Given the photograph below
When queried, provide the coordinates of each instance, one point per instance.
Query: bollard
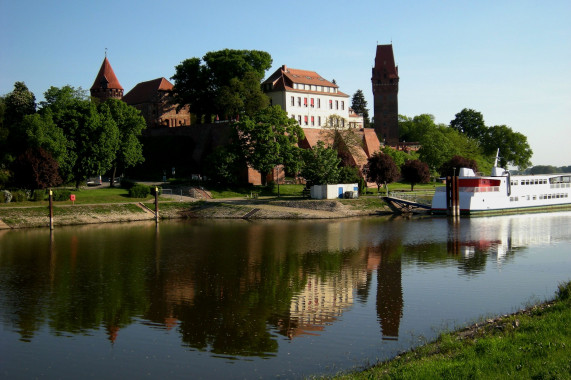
(156, 204)
(51, 211)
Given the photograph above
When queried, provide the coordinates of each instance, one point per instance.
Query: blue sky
(509, 60)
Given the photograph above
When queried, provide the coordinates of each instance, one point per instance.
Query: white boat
(502, 193)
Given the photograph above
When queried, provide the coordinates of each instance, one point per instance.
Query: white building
(306, 96)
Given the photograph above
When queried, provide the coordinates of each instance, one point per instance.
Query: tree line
(69, 137)
(66, 138)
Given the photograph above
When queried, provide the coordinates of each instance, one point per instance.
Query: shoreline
(271, 208)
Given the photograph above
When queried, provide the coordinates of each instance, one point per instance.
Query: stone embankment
(179, 207)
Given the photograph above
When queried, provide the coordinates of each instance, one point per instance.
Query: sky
(509, 60)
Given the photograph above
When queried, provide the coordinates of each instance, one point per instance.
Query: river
(262, 299)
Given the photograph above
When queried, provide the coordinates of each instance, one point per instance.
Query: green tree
(225, 82)
(359, 105)
(415, 171)
(92, 134)
(542, 169)
(338, 135)
(399, 157)
(470, 123)
(514, 149)
(321, 165)
(269, 139)
(381, 169)
(222, 165)
(130, 124)
(436, 148)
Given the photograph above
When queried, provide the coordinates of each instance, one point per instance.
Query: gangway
(403, 206)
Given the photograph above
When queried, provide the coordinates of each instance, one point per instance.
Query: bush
(61, 195)
(7, 196)
(127, 183)
(19, 196)
(38, 195)
(139, 191)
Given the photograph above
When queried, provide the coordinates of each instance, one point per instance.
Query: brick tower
(106, 84)
(385, 82)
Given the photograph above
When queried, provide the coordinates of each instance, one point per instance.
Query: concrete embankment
(28, 217)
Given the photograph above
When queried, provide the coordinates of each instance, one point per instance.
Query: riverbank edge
(68, 215)
(448, 355)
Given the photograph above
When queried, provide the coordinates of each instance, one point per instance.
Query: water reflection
(235, 288)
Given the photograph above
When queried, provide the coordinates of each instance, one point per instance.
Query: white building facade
(306, 97)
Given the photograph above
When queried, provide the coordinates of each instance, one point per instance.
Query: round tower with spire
(106, 84)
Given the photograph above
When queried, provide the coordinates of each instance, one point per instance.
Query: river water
(263, 299)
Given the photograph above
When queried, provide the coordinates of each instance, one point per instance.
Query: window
(319, 121)
(299, 101)
(318, 103)
(312, 103)
(299, 119)
(305, 102)
(331, 104)
(312, 121)
(292, 101)
(305, 120)
(337, 104)
(342, 105)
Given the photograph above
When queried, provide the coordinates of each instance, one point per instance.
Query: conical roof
(106, 77)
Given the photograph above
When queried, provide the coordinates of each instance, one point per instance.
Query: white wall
(332, 191)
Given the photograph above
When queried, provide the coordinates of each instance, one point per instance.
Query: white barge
(502, 193)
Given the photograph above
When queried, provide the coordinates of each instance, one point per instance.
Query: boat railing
(487, 189)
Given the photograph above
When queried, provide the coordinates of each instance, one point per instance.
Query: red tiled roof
(385, 61)
(284, 78)
(145, 92)
(106, 74)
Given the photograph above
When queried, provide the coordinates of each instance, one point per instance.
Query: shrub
(127, 183)
(61, 195)
(7, 196)
(139, 191)
(38, 195)
(18, 196)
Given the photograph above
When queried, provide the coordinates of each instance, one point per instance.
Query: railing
(423, 197)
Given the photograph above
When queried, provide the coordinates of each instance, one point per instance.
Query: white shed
(344, 190)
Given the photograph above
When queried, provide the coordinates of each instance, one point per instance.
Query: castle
(306, 96)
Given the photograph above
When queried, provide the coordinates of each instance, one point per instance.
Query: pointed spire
(106, 84)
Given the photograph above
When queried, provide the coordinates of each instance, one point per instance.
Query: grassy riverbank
(532, 344)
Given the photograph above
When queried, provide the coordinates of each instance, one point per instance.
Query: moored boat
(502, 193)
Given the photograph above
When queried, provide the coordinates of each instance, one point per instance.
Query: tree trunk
(112, 180)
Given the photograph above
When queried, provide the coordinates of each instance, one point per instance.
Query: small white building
(306, 96)
(344, 190)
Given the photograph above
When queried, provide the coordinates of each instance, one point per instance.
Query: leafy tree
(222, 165)
(130, 124)
(436, 148)
(225, 82)
(92, 134)
(269, 139)
(19, 103)
(457, 162)
(321, 165)
(542, 169)
(415, 171)
(381, 169)
(470, 123)
(37, 169)
(399, 157)
(514, 149)
(359, 105)
(341, 138)
(349, 174)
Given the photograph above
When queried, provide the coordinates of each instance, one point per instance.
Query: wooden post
(156, 204)
(456, 196)
(51, 207)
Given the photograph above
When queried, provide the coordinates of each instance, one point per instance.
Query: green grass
(531, 345)
(86, 196)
